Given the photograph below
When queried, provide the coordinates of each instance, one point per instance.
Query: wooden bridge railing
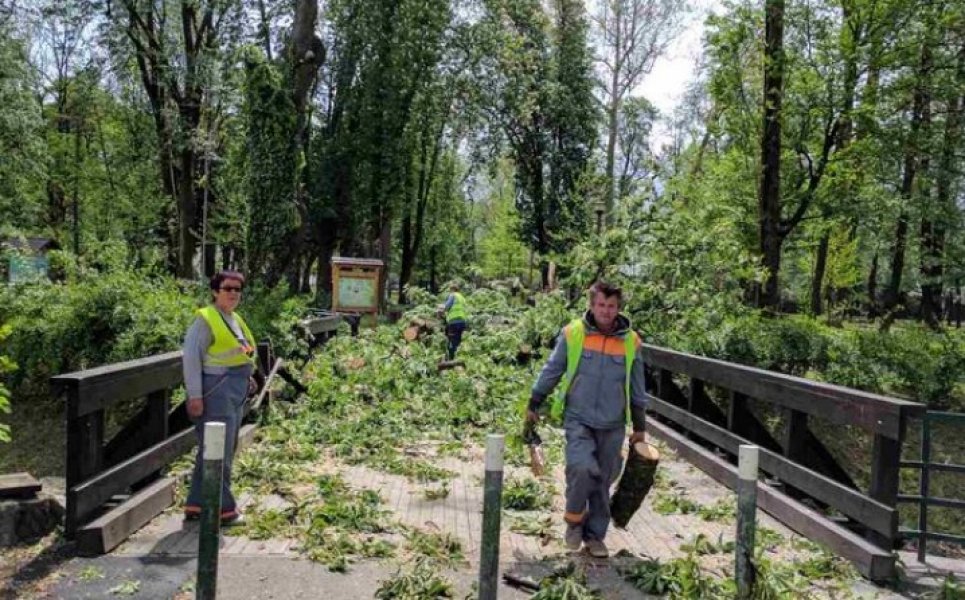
(113, 485)
(98, 469)
(691, 421)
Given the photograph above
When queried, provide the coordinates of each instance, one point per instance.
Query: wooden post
(696, 388)
(923, 488)
(737, 414)
(795, 436)
(492, 509)
(158, 407)
(885, 458)
(209, 532)
(746, 516)
(85, 458)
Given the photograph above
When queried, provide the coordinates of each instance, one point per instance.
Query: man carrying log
(598, 363)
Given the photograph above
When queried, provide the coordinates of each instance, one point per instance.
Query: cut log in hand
(637, 479)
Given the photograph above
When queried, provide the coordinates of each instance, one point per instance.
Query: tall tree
(22, 144)
(632, 35)
(176, 65)
(541, 84)
(920, 123)
(769, 197)
(937, 217)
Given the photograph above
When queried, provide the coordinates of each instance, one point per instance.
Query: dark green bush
(100, 318)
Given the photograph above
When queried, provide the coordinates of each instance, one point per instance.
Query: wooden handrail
(878, 414)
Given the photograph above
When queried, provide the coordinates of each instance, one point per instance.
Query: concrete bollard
(209, 531)
(492, 511)
(746, 519)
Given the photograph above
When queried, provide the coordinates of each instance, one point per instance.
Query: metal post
(746, 516)
(492, 509)
(923, 488)
(209, 532)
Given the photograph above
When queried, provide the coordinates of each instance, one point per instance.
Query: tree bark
(265, 29)
(306, 54)
(769, 199)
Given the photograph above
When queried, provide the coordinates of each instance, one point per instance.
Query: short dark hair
(218, 278)
(607, 289)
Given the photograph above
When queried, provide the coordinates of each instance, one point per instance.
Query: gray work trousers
(593, 463)
(224, 401)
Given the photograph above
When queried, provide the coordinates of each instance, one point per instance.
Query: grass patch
(440, 547)
(418, 582)
(526, 494)
(678, 502)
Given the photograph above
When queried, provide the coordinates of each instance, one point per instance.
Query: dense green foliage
(111, 313)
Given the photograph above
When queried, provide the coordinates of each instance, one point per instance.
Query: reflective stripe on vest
(226, 350)
(575, 334)
(458, 309)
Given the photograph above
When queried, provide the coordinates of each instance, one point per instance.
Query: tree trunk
(769, 203)
(919, 119)
(613, 112)
(305, 56)
(873, 288)
(817, 280)
(75, 204)
(412, 232)
(933, 232)
(187, 209)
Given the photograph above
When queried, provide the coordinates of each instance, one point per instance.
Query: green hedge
(108, 317)
(910, 361)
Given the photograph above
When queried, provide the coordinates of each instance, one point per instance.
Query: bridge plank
(18, 485)
(108, 531)
(94, 492)
(844, 406)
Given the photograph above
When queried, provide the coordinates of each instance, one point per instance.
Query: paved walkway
(160, 557)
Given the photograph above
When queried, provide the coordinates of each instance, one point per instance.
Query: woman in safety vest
(219, 360)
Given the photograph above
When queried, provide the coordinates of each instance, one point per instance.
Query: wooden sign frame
(358, 277)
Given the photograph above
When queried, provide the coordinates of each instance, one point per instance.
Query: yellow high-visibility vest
(226, 350)
(575, 334)
(457, 312)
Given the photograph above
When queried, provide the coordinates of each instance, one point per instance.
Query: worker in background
(455, 310)
(219, 361)
(597, 361)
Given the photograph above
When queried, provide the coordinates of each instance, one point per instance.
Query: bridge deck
(649, 534)
(460, 514)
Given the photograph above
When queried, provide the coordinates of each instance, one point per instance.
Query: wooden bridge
(703, 410)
